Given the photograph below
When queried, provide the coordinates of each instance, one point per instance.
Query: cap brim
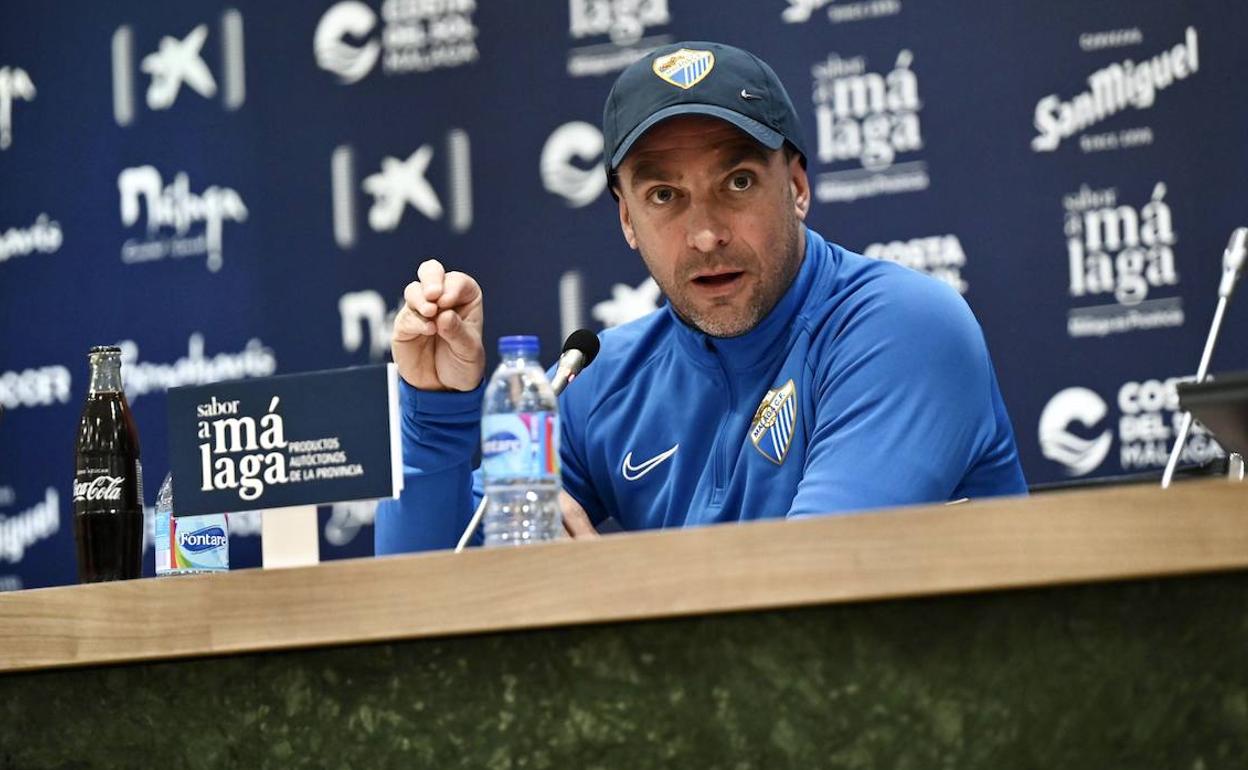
(769, 138)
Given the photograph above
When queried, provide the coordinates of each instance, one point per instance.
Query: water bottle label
(524, 445)
(161, 540)
(200, 543)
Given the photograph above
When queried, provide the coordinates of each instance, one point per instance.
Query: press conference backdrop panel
(236, 189)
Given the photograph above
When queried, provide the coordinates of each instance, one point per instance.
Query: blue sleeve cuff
(440, 429)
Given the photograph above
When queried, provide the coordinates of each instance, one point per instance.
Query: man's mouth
(718, 279)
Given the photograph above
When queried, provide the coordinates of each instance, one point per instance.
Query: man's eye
(662, 195)
(741, 181)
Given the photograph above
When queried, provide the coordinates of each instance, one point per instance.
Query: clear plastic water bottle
(520, 449)
(189, 544)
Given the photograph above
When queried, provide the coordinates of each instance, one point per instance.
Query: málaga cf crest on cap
(775, 422)
(684, 68)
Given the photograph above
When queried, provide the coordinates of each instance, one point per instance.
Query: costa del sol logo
(177, 62)
(1079, 455)
(940, 256)
(626, 26)
(571, 163)
(868, 121)
(402, 182)
(1145, 424)
(180, 223)
(415, 37)
(15, 85)
(1122, 253)
(1112, 90)
(801, 11)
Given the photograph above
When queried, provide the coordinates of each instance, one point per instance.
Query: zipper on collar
(719, 449)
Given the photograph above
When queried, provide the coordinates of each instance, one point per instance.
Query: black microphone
(579, 350)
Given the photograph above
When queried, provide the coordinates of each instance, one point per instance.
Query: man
(784, 377)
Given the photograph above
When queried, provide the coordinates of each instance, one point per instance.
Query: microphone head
(1233, 258)
(586, 342)
(1233, 261)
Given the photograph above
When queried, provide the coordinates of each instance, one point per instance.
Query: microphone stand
(1232, 261)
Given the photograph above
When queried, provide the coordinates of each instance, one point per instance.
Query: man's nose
(707, 229)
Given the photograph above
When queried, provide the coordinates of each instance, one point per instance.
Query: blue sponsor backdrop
(234, 189)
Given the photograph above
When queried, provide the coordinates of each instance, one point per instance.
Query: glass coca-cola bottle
(108, 479)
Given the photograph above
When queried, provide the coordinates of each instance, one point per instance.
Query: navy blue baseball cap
(698, 78)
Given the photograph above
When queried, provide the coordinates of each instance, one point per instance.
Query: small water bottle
(520, 449)
(189, 544)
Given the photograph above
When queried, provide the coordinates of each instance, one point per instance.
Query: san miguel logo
(1111, 90)
(775, 423)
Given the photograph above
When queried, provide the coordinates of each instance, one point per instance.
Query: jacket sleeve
(441, 433)
(904, 402)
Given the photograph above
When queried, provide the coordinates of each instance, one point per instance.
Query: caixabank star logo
(400, 183)
(179, 64)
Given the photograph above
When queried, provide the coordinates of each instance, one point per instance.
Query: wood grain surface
(1071, 537)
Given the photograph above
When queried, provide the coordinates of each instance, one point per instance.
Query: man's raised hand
(437, 334)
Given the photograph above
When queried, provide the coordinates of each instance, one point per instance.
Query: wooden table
(890, 639)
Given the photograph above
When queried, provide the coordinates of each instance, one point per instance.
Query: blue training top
(868, 385)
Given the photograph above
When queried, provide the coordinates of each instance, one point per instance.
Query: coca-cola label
(100, 488)
(111, 485)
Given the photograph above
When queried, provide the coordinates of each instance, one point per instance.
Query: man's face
(717, 219)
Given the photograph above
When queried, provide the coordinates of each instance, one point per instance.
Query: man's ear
(799, 183)
(626, 222)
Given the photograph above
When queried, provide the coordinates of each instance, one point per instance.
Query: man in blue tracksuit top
(785, 376)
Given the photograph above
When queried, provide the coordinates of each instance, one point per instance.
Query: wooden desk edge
(1058, 539)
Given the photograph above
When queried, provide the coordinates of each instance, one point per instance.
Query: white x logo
(178, 62)
(14, 84)
(399, 183)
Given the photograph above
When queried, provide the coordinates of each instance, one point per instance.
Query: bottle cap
(525, 344)
(104, 349)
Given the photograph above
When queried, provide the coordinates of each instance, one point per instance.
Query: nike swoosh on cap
(747, 95)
